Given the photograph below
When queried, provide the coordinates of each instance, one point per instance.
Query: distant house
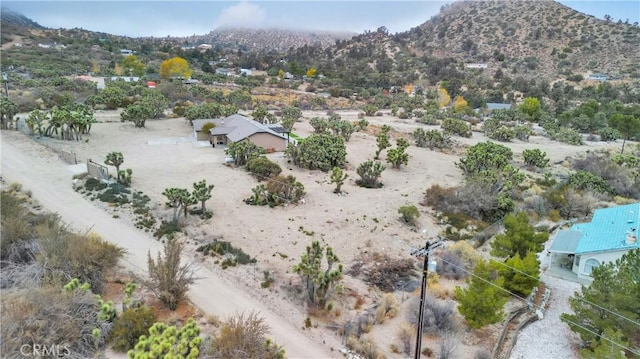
(237, 128)
(126, 52)
(204, 47)
(125, 78)
(246, 72)
(611, 233)
(223, 71)
(492, 106)
(476, 66)
(598, 77)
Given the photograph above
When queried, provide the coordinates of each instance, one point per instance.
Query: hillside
(269, 39)
(532, 39)
(13, 23)
(535, 36)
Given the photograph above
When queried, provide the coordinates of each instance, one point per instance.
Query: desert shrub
(67, 255)
(452, 266)
(484, 156)
(620, 175)
(535, 158)
(169, 280)
(365, 347)
(51, 316)
(431, 139)
(522, 132)
(438, 318)
(129, 326)
(436, 195)
(405, 334)
(409, 214)
(318, 151)
(589, 181)
(482, 354)
(278, 191)
(386, 273)
(166, 341)
(226, 249)
(244, 336)
(369, 172)
(566, 135)
(456, 127)
(263, 168)
(93, 184)
(387, 308)
(608, 134)
(17, 244)
(167, 228)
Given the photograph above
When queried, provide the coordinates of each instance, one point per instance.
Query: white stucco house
(611, 233)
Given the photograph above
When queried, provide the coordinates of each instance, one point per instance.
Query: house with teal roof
(611, 233)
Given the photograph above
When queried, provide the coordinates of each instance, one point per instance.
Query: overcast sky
(184, 18)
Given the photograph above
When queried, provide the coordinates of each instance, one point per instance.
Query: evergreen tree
(615, 289)
(521, 275)
(519, 238)
(481, 303)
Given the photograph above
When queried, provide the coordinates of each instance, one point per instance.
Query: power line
(533, 304)
(581, 299)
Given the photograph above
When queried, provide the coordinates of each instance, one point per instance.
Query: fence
(97, 170)
(69, 157)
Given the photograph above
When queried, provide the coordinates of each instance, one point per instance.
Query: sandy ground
(164, 155)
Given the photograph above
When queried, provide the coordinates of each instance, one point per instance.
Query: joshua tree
(338, 177)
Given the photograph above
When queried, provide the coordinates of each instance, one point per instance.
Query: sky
(185, 18)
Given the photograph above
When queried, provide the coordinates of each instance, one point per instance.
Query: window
(590, 264)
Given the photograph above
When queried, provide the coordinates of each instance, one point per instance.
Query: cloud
(243, 14)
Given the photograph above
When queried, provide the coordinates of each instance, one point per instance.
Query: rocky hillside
(13, 23)
(527, 38)
(537, 37)
(271, 39)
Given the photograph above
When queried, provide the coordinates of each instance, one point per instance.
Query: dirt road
(49, 178)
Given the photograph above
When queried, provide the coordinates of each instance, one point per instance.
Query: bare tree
(447, 346)
(168, 278)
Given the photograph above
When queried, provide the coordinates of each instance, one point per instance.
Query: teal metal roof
(609, 229)
(566, 241)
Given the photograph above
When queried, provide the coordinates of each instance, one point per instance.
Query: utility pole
(428, 247)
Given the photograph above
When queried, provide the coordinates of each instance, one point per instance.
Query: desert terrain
(164, 154)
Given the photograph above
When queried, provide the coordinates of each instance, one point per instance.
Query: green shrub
(609, 134)
(589, 181)
(431, 139)
(167, 228)
(129, 326)
(224, 248)
(535, 158)
(409, 214)
(457, 127)
(93, 184)
(263, 168)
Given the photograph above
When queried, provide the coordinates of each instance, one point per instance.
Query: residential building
(237, 128)
(611, 233)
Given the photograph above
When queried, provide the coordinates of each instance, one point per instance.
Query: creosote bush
(129, 326)
(263, 168)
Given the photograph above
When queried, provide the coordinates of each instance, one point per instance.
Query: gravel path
(550, 338)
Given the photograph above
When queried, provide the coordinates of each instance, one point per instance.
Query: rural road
(49, 178)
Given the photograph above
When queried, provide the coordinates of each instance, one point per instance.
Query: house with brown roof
(236, 128)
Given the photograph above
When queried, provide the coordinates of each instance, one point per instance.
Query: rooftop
(609, 229)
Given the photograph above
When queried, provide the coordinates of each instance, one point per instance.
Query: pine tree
(519, 238)
(521, 275)
(481, 303)
(615, 288)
